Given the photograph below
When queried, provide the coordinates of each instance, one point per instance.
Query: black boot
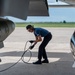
(37, 62)
(45, 61)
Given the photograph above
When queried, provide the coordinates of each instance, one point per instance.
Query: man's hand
(31, 47)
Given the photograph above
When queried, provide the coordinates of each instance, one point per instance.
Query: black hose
(22, 58)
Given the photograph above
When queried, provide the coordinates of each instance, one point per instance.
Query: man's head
(30, 28)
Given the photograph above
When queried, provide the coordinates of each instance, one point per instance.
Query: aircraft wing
(23, 8)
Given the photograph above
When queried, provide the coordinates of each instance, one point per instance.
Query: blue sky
(55, 14)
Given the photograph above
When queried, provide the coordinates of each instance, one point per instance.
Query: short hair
(29, 26)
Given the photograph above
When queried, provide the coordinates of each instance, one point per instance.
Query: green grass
(72, 25)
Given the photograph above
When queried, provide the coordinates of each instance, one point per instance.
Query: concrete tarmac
(58, 51)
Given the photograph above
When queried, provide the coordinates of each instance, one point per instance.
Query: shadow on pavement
(59, 67)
